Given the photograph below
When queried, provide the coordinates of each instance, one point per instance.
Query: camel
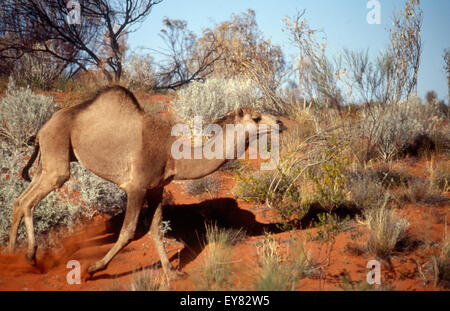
(115, 139)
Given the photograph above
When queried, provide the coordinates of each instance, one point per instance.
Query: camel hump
(115, 96)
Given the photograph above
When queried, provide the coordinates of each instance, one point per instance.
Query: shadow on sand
(187, 222)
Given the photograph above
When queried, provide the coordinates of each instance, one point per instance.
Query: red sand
(93, 240)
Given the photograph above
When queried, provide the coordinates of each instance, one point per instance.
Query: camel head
(248, 115)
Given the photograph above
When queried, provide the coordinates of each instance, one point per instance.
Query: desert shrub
(22, 113)
(390, 127)
(440, 176)
(215, 98)
(253, 186)
(329, 226)
(278, 190)
(387, 230)
(207, 184)
(389, 177)
(364, 189)
(215, 273)
(139, 72)
(416, 190)
(330, 178)
(59, 209)
(97, 194)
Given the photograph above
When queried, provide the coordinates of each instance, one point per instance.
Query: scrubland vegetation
(351, 120)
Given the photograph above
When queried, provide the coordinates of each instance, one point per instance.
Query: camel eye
(256, 119)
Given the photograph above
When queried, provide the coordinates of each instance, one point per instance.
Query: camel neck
(209, 157)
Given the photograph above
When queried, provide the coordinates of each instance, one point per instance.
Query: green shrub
(330, 179)
(391, 127)
(216, 97)
(279, 191)
(22, 113)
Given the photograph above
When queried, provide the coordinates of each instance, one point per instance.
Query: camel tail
(30, 162)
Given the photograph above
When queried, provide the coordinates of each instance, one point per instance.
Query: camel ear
(240, 112)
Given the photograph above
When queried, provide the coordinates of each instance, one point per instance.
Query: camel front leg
(135, 200)
(155, 233)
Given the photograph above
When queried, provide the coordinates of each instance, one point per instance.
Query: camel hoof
(31, 260)
(87, 274)
(91, 269)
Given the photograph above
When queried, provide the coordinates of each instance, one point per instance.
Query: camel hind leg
(54, 171)
(17, 213)
(43, 186)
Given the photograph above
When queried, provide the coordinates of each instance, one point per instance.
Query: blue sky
(344, 23)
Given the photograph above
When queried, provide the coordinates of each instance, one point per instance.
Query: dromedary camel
(112, 137)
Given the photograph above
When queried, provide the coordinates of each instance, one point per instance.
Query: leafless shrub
(38, 69)
(405, 50)
(316, 73)
(244, 53)
(185, 58)
(139, 72)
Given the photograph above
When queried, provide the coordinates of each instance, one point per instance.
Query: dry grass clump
(273, 275)
(387, 230)
(440, 265)
(279, 274)
(216, 273)
(148, 280)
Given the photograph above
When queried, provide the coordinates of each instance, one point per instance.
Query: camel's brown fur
(112, 137)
